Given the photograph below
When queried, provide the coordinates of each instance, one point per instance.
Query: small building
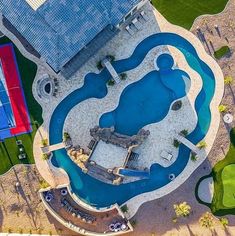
(66, 33)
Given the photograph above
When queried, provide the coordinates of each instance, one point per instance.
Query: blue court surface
(6, 114)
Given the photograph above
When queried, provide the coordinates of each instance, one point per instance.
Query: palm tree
(222, 108)
(228, 80)
(182, 209)
(207, 220)
(202, 144)
(224, 222)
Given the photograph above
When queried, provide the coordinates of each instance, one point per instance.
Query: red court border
(15, 90)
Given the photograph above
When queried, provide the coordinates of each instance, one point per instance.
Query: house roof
(59, 29)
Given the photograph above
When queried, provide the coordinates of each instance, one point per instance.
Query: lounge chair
(144, 16)
(129, 30)
(18, 142)
(22, 156)
(166, 155)
(137, 24)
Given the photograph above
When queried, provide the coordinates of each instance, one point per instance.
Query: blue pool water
(147, 100)
(134, 173)
(98, 193)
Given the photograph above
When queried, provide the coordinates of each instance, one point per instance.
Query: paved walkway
(57, 146)
(187, 143)
(52, 148)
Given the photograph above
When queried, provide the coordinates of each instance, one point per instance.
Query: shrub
(111, 58)
(224, 221)
(99, 65)
(228, 79)
(222, 108)
(193, 156)
(45, 156)
(123, 76)
(66, 136)
(221, 52)
(201, 144)
(184, 132)
(111, 82)
(176, 143)
(43, 184)
(44, 142)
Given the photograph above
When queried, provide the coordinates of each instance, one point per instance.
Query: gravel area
(21, 210)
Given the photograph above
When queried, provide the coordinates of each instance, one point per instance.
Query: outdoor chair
(144, 16)
(129, 30)
(137, 24)
(166, 155)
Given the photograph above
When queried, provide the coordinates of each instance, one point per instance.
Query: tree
(201, 144)
(182, 209)
(224, 222)
(228, 80)
(184, 132)
(222, 108)
(207, 220)
(193, 156)
(176, 143)
(124, 208)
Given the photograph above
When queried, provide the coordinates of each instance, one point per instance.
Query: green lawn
(221, 52)
(184, 12)
(9, 149)
(220, 193)
(228, 177)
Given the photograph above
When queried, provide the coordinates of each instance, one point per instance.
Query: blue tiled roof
(59, 29)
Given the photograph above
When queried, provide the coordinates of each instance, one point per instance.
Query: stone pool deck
(78, 122)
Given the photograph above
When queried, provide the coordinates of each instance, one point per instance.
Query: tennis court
(14, 117)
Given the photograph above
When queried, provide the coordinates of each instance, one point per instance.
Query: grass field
(228, 177)
(8, 148)
(184, 12)
(220, 193)
(221, 52)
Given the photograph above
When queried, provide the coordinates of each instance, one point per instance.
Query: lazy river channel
(97, 193)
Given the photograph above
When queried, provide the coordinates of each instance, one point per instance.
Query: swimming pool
(134, 173)
(147, 100)
(97, 193)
